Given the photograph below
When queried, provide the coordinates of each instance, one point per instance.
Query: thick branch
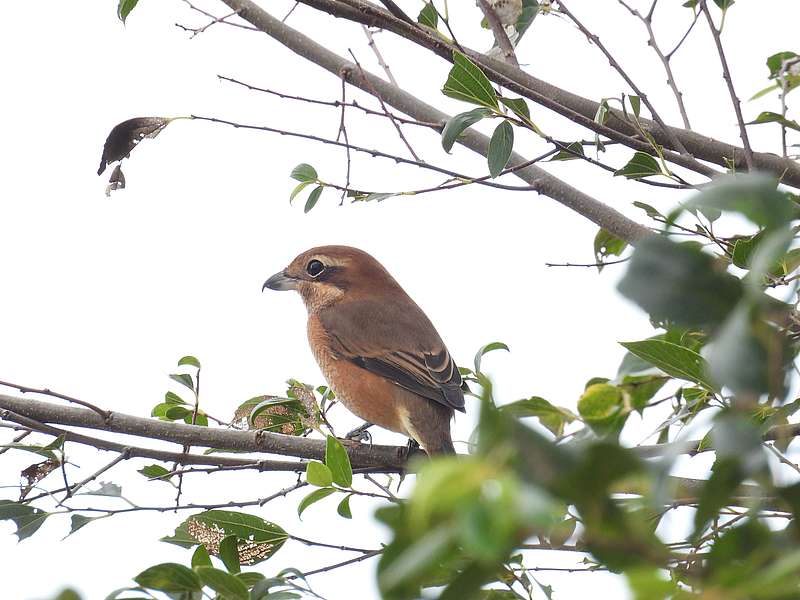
(541, 180)
(574, 107)
(361, 455)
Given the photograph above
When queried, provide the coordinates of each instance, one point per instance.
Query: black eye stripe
(314, 268)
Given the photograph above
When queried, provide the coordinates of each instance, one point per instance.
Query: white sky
(102, 296)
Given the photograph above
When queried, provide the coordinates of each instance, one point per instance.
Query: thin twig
(106, 414)
(726, 75)
(674, 140)
(373, 152)
(344, 563)
(289, 14)
(337, 104)
(383, 107)
(343, 132)
(125, 455)
(16, 439)
(211, 16)
(297, 538)
(648, 23)
(598, 264)
(371, 43)
(500, 35)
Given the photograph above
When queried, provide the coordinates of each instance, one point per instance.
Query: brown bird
(377, 349)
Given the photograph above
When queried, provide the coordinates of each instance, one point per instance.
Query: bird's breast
(368, 396)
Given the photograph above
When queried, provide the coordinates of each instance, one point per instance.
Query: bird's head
(326, 274)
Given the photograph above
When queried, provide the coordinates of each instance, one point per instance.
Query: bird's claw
(360, 433)
(411, 447)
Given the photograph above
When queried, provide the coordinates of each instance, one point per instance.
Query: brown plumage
(375, 346)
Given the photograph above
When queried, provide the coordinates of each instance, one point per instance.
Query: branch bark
(39, 416)
(361, 455)
(541, 180)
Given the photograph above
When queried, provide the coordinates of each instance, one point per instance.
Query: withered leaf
(124, 137)
(35, 473)
(116, 181)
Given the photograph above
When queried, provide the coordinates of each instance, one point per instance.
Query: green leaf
(173, 398)
(428, 16)
(318, 474)
(313, 497)
(467, 82)
(500, 147)
(338, 462)
(68, 594)
(607, 244)
(312, 198)
(77, 521)
(520, 108)
(189, 360)
(765, 91)
(225, 584)
(776, 61)
(174, 413)
(641, 165)
(456, 125)
(673, 359)
(304, 172)
(747, 355)
(636, 104)
(262, 537)
(485, 350)
(169, 577)
(679, 283)
(530, 8)
(724, 4)
(726, 475)
(573, 151)
(229, 553)
(125, 7)
(34, 448)
(250, 578)
(200, 557)
(299, 188)
(27, 518)
(651, 212)
(183, 379)
(753, 195)
(344, 507)
(773, 117)
(600, 403)
(554, 418)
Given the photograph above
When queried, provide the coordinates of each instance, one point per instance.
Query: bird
(377, 349)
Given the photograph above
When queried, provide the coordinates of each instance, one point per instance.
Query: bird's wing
(397, 341)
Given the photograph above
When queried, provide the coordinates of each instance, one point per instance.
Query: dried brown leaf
(124, 137)
(35, 473)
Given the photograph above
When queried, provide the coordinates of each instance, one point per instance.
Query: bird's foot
(411, 447)
(360, 433)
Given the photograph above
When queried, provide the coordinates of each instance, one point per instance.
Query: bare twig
(47, 392)
(337, 104)
(377, 95)
(371, 151)
(500, 35)
(376, 51)
(726, 75)
(343, 132)
(344, 563)
(676, 142)
(598, 264)
(648, 23)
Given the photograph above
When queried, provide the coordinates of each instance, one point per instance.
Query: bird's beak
(280, 282)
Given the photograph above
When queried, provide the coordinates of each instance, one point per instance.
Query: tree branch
(546, 184)
(726, 75)
(574, 107)
(361, 455)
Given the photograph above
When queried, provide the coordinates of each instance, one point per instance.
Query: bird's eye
(314, 268)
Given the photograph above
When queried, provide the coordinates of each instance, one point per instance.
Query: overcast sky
(101, 296)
